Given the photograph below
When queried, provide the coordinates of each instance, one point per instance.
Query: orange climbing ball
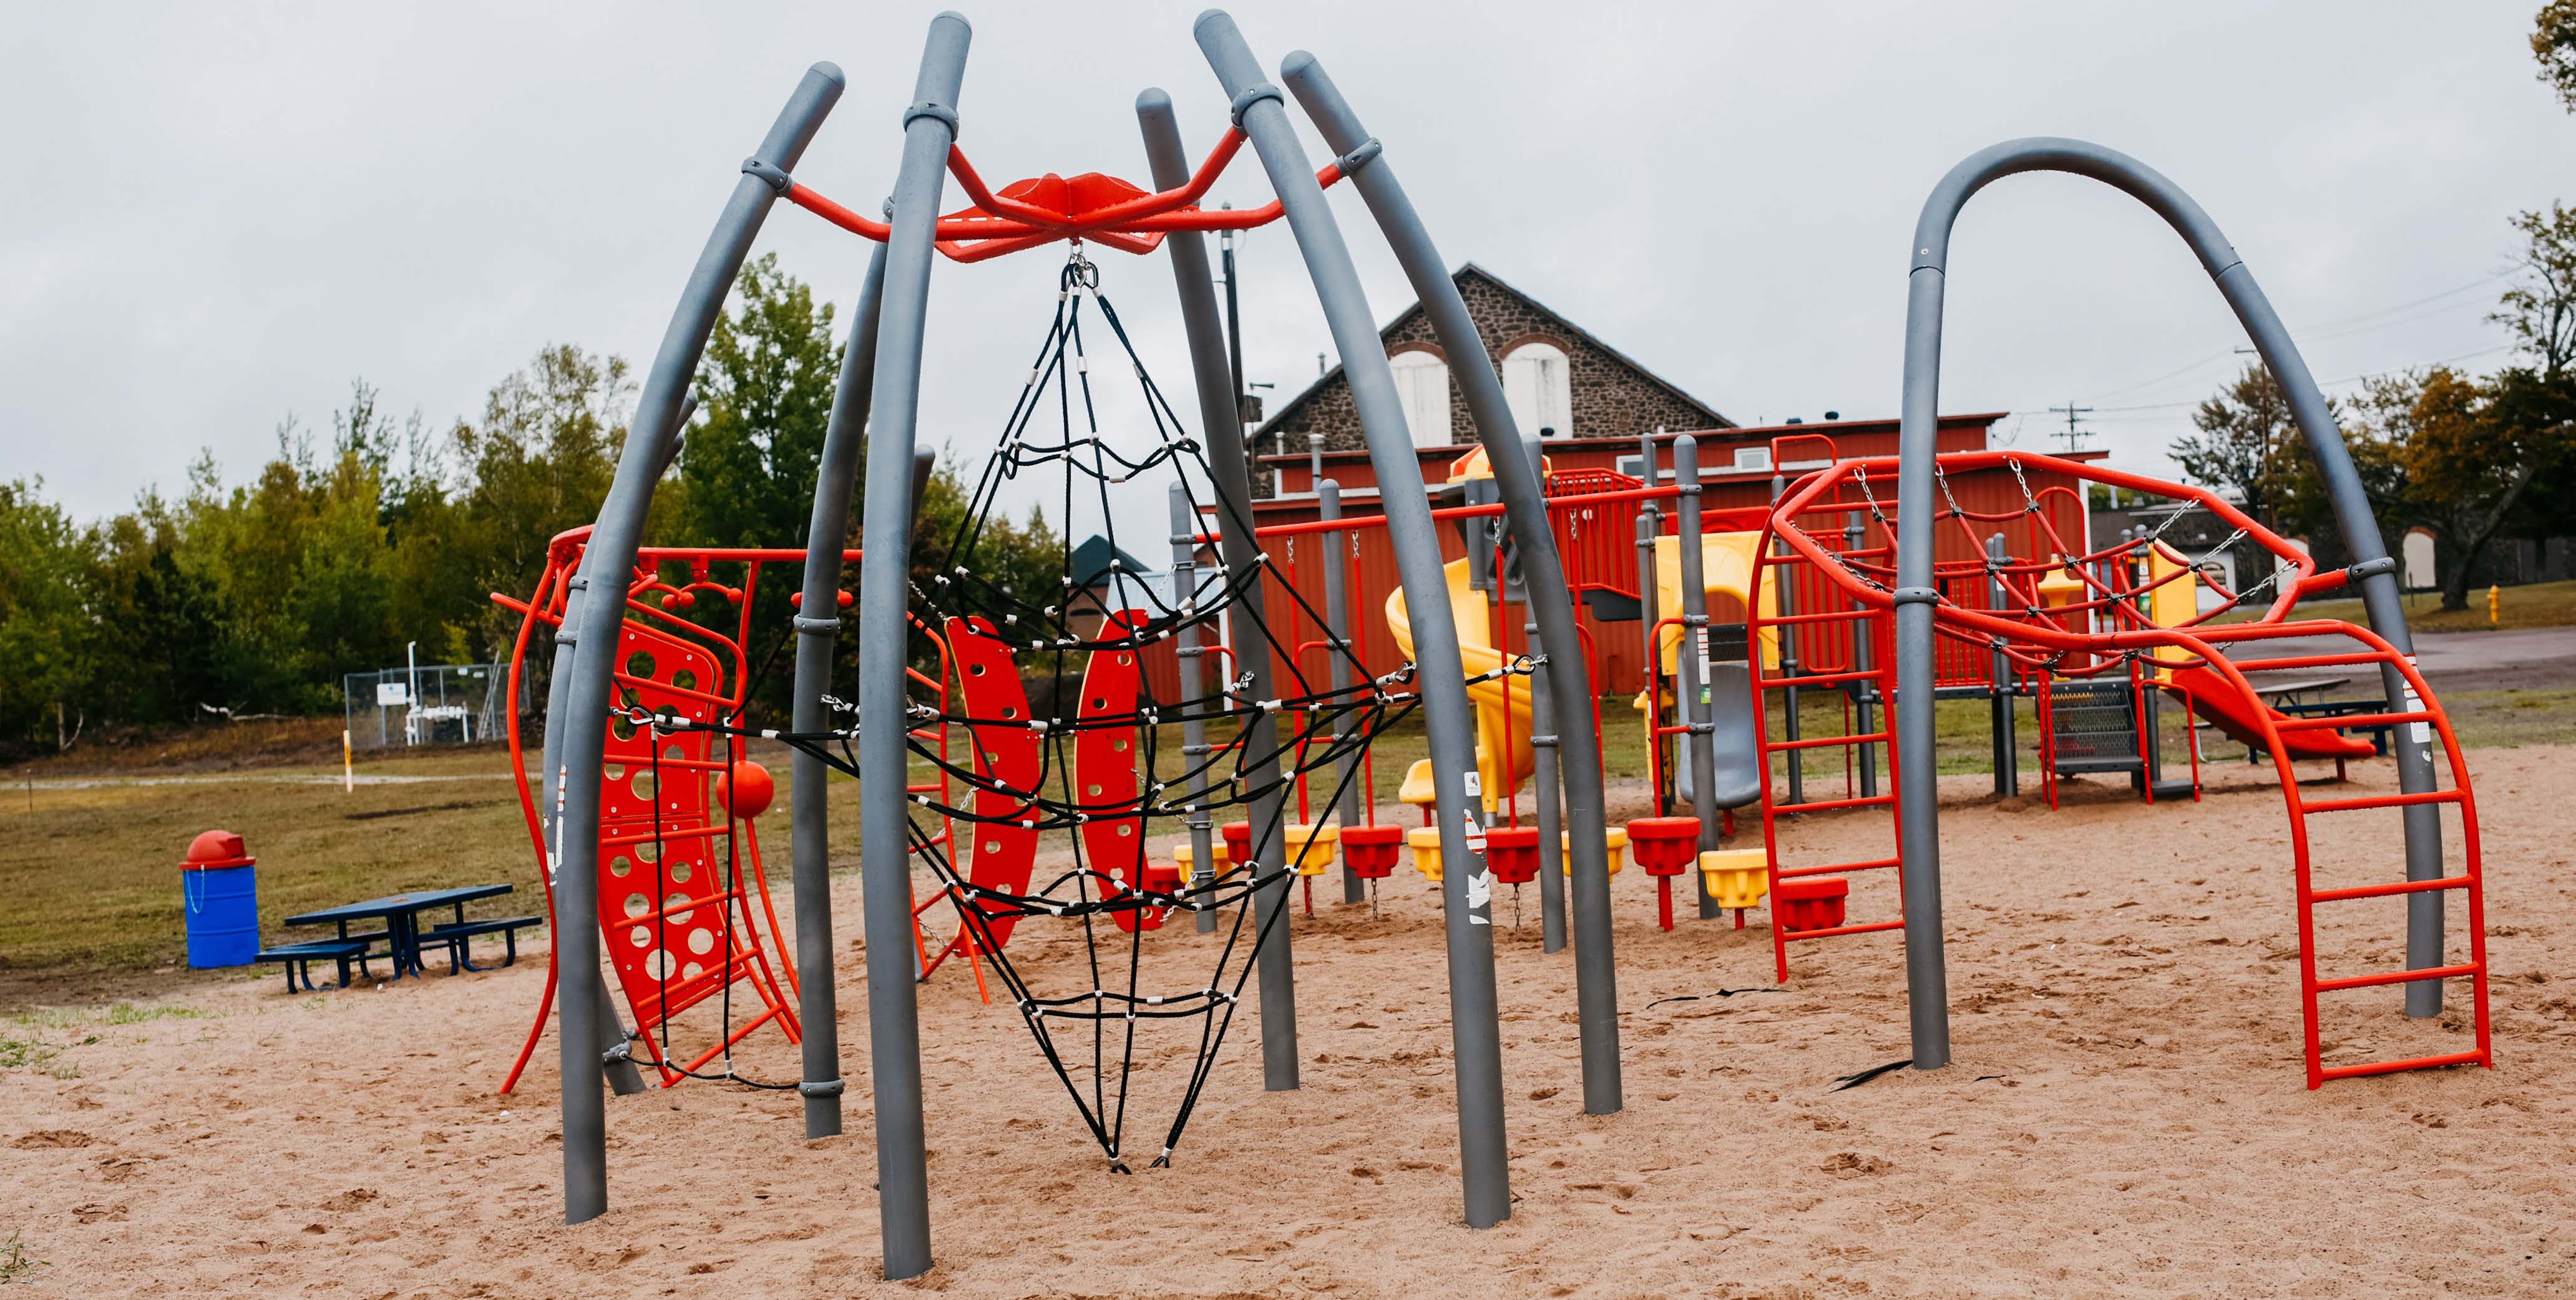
(747, 789)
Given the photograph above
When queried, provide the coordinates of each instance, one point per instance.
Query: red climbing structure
(683, 892)
(2106, 627)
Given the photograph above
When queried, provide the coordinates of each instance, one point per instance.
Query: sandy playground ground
(2126, 1115)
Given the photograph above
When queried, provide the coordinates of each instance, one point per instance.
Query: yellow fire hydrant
(2495, 604)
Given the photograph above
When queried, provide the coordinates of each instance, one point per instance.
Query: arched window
(1541, 392)
(1422, 381)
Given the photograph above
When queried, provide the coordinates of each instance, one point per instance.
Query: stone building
(1560, 380)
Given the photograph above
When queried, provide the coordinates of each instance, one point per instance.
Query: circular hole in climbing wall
(620, 865)
(637, 905)
(681, 871)
(674, 902)
(692, 971)
(639, 664)
(641, 936)
(685, 679)
(702, 941)
(658, 965)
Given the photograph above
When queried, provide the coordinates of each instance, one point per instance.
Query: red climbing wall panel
(669, 929)
(1104, 767)
(1007, 755)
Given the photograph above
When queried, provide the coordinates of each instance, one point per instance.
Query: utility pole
(2073, 434)
(1233, 328)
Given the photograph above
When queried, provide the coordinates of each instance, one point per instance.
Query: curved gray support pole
(1222, 424)
(885, 563)
(1337, 613)
(818, 624)
(1692, 670)
(615, 1062)
(611, 553)
(1467, 895)
(1919, 831)
(1551, 604)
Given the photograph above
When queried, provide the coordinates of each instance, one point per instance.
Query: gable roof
(1089, 562)
(1461, 276)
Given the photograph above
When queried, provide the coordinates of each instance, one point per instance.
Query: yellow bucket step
(1737, 878)
(1616, 841)
(1310, 847)
(1425, 843)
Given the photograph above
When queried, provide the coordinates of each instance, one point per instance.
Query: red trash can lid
(216, 849)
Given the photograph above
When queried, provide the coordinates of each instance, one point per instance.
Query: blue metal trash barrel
(219, 888)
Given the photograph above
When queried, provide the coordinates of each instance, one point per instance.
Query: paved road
(240, 778)
(2444, 652)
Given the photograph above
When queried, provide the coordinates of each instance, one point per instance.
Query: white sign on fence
(392, 694)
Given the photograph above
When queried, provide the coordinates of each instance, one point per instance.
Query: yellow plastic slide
(1725, 569)
(1502, 704)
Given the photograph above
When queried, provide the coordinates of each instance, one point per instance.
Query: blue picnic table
(401, 915)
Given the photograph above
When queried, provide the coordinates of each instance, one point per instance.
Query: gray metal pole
(1577, 752)
(615, 1044)
(2344, 491)
(1194, 746)
(1697, 711)
(1547, 778)
(1865, 691)
(611, 553)
(1999, 703)
(1337, 613)
(818, 625)
(885, 564)
(1475, 1031)
(1239, 552)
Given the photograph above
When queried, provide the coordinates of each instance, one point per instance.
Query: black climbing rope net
(1251, 754)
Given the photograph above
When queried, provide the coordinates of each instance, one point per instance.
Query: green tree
(44, 630)
(747, 465)
(537, 464)
(2246, 439)
(764, 399)
(2553, 42)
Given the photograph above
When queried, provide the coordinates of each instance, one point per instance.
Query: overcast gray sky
(220, 215)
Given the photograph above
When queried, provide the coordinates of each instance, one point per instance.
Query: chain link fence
(433, 704)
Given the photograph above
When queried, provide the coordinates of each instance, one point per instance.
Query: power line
(2326, 330)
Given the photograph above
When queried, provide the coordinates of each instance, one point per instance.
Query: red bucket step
(1810, 902)
(1664, 846)
(1371, 851)
(1512, 852)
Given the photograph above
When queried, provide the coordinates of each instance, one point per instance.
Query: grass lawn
(2537, 604)
(92, 871)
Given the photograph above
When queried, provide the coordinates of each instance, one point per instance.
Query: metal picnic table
(401, 915)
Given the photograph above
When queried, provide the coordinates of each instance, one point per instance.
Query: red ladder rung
(1792, 936)
(2397, 977)
(2381, 801)
(2350, 720)
(1792, 873)
(2386, 891)
(2412, 1063)
(1823, 679)
(1828, 805)
(1819, 742)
